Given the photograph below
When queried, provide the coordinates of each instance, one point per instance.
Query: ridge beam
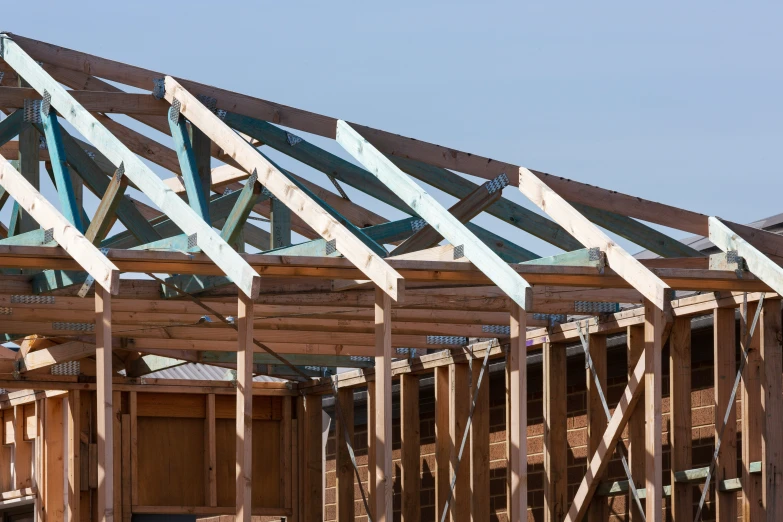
(66, 235)
(247, 279)
(759, 264)
(425, 205)
(625, 265)
(288, 192)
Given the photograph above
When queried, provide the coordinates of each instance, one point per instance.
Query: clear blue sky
(679, 102)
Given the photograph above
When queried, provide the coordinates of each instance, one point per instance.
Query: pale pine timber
(596, 417)
(725, 371)
(244, 416)
(653, 466)
(383, 408)
(752, 507)
(517, 404)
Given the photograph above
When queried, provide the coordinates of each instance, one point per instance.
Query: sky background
(678, 102)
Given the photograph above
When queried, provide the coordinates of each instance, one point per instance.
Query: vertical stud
(517, 402)
(680, 416)
(383, 413)
(103, 357)
(244, 418)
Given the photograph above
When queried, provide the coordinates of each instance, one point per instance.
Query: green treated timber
(228, 260)
(497, 270)
(50, 171)
(384, 233)
(358, 232)
(246, 200)
(62, 176)
(188, 165)
(758, 263)
(280, 224)
(9, 127)
(358, 178)
(315, 157)
(637, 232)
(202, 152)
(97, 181)
(503, 209)
(699, 475)
(32, 238)
(585, 257)
(345, 361)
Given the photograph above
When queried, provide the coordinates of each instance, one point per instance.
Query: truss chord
(350, 450)
(732, 399)
(466, 432)
(620, 444)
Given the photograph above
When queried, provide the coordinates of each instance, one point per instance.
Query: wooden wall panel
(264, 407)
(54, 474)
(266, 463)
(170, 461)
(171, 405)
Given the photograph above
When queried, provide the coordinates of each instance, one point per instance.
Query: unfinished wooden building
(479, 380)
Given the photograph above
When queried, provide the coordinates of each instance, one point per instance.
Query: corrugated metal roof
(206, 372)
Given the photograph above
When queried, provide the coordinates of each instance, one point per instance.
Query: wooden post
(211, 450)
(725, 373)
(752, 421)
(103, 358)
(479, 444)
(202, 153)
(29, 166)
(459, 408)
(244, 419)
(636, 446)
(23, 462)
(117, 454)
(134, 447)
(410, 447)
(56, 465)
(371, 447)
(126, 467)
(517, 402)
(344, 468)
(73, 491)
(772, 406)
(286, 458)
(312, 454)
(442, 440)
(680, 416)
(596, 417)
(383, 413)
(555, 432)
(653, 338)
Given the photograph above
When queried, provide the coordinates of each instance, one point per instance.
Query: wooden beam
(625, 265)
(73, 420)
(517, 404)
(680, 434)
(555, 432)
(142, 177)
(103, 357)
(771, 346)
(426, 206)
(30, 167)
(343, 466)
(603, 455)
(480, 505)
(312, 455)
(280, 224)
(235, 222)
(442, 438)
(68, 237)
(202, 153)
(244, 417)
(197, 198)
(93, 101)
(410, 448)
(62, 176)
(55, 476)
(725, 368)
(60, 353)
(653, 343)
(459, 409)
(636, 422)
(383, 408)
(284, 189)
(596, 417)
(106, 213)
(752, 419)
(758, 263)
(464, 210)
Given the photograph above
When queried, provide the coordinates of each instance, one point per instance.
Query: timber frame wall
(359, 292)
